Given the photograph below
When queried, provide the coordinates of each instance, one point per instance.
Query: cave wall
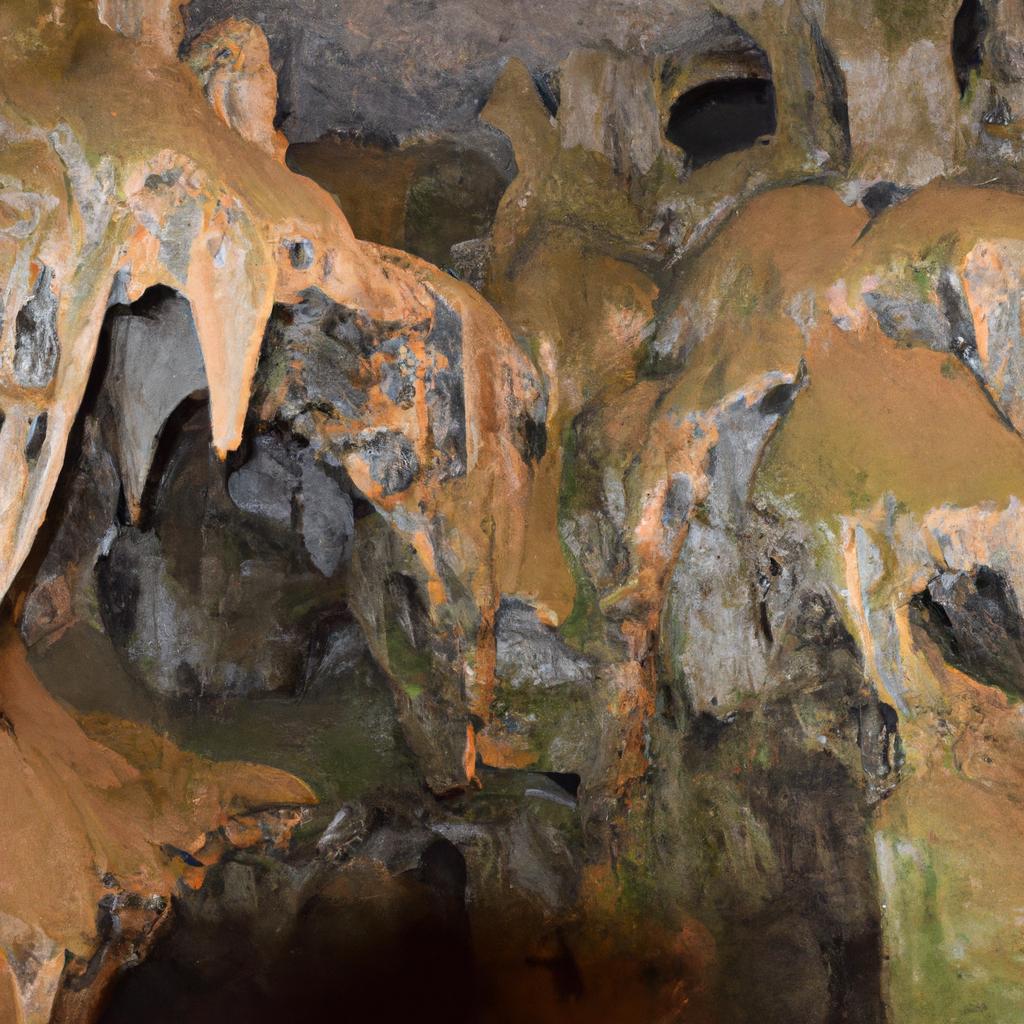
(577, 451)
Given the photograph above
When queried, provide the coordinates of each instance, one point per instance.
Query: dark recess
(547, 87)
(569, 781)
(189, 410)
(835, 87)
(36, 438)
(722, 117)
(968, 41)
(882, 195)
(974, 619)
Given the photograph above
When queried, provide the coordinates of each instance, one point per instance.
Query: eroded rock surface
(637, 583)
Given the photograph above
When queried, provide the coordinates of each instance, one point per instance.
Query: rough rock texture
(155, 364)
(637, 582)
(94, 799)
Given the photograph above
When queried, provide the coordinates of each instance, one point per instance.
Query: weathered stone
(155, 364)
(268, 482)
(327, 523)
(175, 605)
(975, 619)
(36, 346)
(531, 654)
(470, 260)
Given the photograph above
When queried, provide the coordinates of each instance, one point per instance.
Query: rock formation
(511, 512)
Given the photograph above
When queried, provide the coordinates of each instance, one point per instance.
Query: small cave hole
(569, 781)
(36, 438)
(969, 28)
(877, 198)
(300, 253)
(777, 400)
(722, 116)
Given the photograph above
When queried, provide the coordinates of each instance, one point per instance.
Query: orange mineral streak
(482, 509)
(100, 796)
(631, 704)
(10, 1000)
(500, 749)
(469, 754)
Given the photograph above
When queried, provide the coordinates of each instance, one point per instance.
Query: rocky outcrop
(642, 596)
(94, 800)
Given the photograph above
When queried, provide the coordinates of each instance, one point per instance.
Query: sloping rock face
(637, 583)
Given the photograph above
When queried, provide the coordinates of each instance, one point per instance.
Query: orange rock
(94, 802)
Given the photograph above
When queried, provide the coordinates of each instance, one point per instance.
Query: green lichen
(410, 667)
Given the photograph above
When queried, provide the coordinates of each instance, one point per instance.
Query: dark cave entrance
(969, 28)
(722, 116)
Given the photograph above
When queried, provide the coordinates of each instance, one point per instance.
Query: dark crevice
(937, 624)
(36, 438)
(547, 88)
(969, 29)
(835, 92)
(722, 116)
(764, 623)
(167, 446)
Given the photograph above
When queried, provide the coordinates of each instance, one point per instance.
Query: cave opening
(569, 781)
(722, 116)
(969, 28)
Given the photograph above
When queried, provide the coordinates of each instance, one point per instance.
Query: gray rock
(36, 347)
(155, 364)
(353, 74)
(283, 483)
(266, 485)
(470, 261)
(183, 599)
(531, 654)
(445, 399)
(63, 589)
(976, 621)
(909, 319)
(346, 830)
(713, 640)
(391, 458)
(336, 653)
(328, 525)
